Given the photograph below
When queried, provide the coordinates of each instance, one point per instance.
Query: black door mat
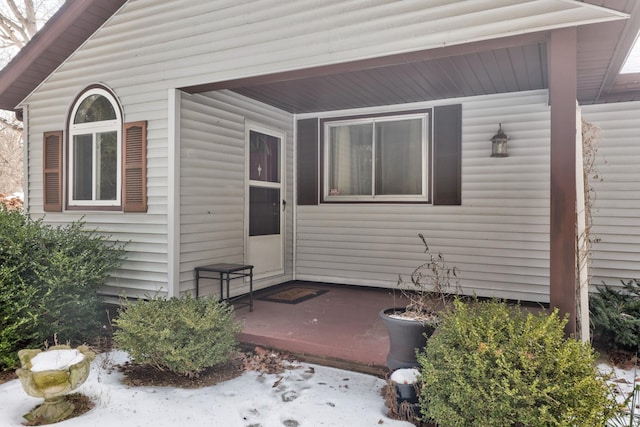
(293, 295)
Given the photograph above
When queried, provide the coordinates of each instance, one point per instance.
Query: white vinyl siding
(498, 238)
(144, 271)
(213, 180)
(150, 47)
(616, 210)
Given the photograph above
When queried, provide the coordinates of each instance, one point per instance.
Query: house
(315, 139)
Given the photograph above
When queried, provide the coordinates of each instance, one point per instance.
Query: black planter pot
(407, 399)
(405, 382)
(405, 336)
(406, 394)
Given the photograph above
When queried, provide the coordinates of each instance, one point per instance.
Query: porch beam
(562, 57)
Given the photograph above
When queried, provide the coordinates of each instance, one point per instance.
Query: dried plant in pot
(431, 288)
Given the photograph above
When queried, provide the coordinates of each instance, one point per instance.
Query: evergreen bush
(183, 335)
(492, 366)
(48, 282)
(615, 315)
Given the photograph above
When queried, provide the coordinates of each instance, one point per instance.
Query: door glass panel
(264, 211)
(264, 157)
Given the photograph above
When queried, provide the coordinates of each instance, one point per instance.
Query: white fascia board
(614, 14)
(501, 18)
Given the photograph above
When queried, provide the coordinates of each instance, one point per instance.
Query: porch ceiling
(508, 69)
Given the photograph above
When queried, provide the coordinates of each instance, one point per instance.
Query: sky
(632, 64)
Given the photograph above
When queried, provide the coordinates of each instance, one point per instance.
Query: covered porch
(339, 327)
(511, 218)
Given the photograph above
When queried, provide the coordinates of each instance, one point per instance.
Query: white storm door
(265, 202)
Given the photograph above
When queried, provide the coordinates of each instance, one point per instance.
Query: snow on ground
(624, 381)
(301, 397)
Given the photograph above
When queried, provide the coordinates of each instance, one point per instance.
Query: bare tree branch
(15, 125)
(11, 162)
(18, 26)
(19, 20)
(26, 19)
(10, 33)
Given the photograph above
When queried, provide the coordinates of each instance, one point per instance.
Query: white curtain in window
(399, 157)
(350, 167)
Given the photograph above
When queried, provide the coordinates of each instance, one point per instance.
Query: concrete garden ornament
(51, 375)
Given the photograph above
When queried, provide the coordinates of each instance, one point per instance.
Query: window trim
(83, 129)
(426, 115)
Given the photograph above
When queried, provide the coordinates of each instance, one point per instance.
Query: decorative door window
(264, 157)
(264, 189)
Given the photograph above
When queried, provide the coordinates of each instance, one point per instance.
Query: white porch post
(173, 193)
(582, 280)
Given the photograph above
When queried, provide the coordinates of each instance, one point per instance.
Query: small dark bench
(225, 273)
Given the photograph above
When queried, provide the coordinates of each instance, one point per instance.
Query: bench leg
(197, 283)
(251, 289)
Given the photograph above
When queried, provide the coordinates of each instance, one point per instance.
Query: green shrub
(489, 365)
(18, 324)
(48, 282)
(184, 335)
(615, 315)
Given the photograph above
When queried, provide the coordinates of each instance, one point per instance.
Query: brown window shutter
(447, 163)
(308, 162)
(52, 171)
(134, 168)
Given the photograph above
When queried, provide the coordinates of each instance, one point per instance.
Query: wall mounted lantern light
(499, 144)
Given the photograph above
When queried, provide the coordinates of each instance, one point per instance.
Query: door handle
(284, 205)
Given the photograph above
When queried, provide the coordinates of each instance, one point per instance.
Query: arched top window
(95, 107)
(105, 166)
(95, 151)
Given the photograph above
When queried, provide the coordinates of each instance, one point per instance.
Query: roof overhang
(68, 29)
(503, 52)
(497, 46)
